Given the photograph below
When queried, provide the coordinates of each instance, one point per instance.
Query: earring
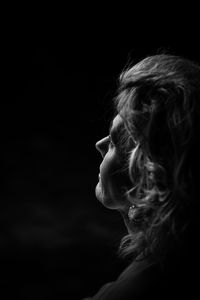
(132, 212)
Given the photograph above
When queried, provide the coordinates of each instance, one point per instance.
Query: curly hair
(159, 102)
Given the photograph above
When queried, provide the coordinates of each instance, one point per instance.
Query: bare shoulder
(138, 281)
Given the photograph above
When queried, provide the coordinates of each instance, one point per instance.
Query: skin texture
(110, 188)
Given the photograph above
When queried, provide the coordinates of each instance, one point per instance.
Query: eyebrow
(110, 126)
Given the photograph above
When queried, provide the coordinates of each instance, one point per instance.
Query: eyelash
(111, 144)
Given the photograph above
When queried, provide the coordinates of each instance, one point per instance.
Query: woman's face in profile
(111, 179)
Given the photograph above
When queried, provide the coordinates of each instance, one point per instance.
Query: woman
(149, 173)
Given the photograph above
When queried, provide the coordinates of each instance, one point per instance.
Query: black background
(58, 80)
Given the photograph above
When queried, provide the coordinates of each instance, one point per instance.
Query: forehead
(117, 121)
(117, 130)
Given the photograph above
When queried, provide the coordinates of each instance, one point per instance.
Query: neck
(126, 220)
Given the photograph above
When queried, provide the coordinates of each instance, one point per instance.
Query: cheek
(109, 167)
(112, 184)
(112, 177)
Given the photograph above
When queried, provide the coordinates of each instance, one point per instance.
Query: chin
(104, 198)
(98, 192)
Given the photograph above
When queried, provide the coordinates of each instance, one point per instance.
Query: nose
(102, 146)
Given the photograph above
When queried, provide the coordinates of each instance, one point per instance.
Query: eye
(111, 144)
